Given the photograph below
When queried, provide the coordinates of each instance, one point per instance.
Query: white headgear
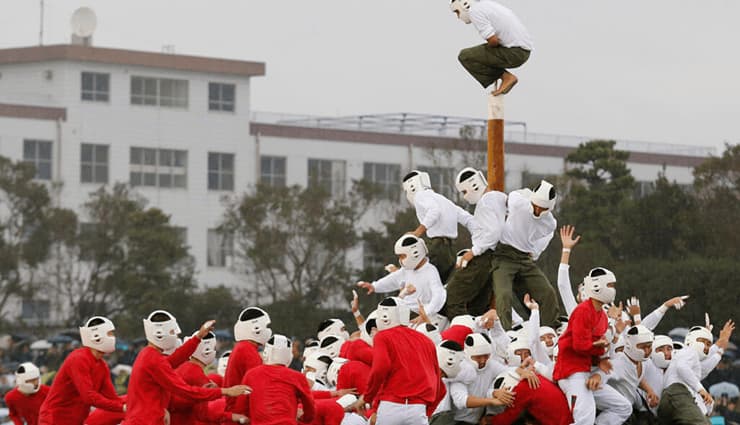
(463, 9)
(178, 344)
(278, 351)
(620, 342)
(414, 182)
(692, 340)
(94, 334)
(657, 356)
(519, 342)
(253, 325)
(392, 312)
(477, 344)
(223, 361)
(319, 362)
(332, 374)
(544, 195)
(414, 248)
(470, 182)
(464, 320)
(450, 356)
(332, 327)
(595, 285)
(27, 372)
(508, 379)
(440, 321)
(330, 345)
(632, 338)
(206, 350)
(312, 346)
(347, 400)
(546, 330)
(162, 334)
(430, 331)
(366, 329)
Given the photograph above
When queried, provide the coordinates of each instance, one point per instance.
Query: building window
(221, 97)
(327, 174)
(220, 248)
(38, 153)
(158, 167)
(93, 163)
(386, 177)
(33, 309)
(443, 181)
(272, 171)
(159, 92)
(95, 87)
(220, 171)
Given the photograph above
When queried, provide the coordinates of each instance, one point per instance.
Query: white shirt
(491, 18)
(565, 289)
(439, 215)
(490, 216)
(624, 378)
(522, 230)
(466, 376)
(480, 387)
(428, 286)
(685, 368)
(655, 377)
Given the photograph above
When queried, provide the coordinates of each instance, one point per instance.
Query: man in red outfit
(546, 404)
(83, 381)
(24, 401)
(405, 381)
(251, 330)
(153, 379)
(277, 389)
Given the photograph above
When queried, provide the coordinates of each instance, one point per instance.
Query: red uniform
(328, 412)
(243, 358)
(456, 333)
(105, 417)
(184, 411)
(216, 379)
(405, 369)
(547, 404)
(353, 374)
(276, 392)
(357, 350)
(24, 408)
(153, 381)
(82, 381)
(576, 350)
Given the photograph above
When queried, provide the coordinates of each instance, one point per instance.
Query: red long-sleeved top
(328, 412)
(547, 404)
(23, 408)
(405, 369)
(357, 350)
(276, 392)
(183, 411)
(244, 357)
(354, 374)
(105, 417)
(82, 381)
(456, 333)
(576, 350)
(215, 407)
(216, 379)
(153, 381)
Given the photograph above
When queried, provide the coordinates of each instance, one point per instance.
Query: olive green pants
(468, 289)
(442, 256)
(677, 407)
(444, 418)
(487, 63)
(510, 264)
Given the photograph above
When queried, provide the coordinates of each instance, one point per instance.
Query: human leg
(579, 397)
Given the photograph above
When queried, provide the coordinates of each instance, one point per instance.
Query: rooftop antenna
(83, 24)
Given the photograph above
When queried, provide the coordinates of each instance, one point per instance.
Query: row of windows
(164, 92)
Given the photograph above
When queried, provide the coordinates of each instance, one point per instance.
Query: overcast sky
(658, 70)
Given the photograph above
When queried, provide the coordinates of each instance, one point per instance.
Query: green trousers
(677, 407)
(470, 288)
(444, 418)
(487, 63)
(442, 255)
(510, 264)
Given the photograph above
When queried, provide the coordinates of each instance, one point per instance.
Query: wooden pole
(496, 143)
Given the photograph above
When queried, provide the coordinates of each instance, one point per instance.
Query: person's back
(250, 331)
(511, 32)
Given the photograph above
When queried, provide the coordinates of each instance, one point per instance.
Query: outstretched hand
(566, 236)
(367, 285)
(530, 302)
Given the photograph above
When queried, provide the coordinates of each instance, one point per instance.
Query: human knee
(465, 56)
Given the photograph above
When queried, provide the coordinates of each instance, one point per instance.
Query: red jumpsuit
(243, 358)
(184, 411)
(357, 349)
(216, 379)
(576, 350)
(547, 404)
(23, 408)
(276, 392)
(105, 417)
(353, 374)
(328, 412)
(82, 381)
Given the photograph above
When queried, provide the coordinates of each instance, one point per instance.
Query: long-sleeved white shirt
(655, 377)
(624, 378)
(565, 289)
(491, 18)
(440, 215)
(490, 216)
(685, 369)
(480, 387)
(465, 376)
(522, 230)
(428, 286)
(544, 364)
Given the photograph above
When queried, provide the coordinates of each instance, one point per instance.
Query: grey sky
(658, 70)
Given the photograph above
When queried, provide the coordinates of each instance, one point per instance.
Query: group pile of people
(446, 348)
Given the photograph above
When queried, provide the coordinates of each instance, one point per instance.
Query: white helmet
(392, 312)
(346, 401)
(319, 362)
(692, 340)
(223, 361)
(507, 379)
(312, 346)
(620, 343)
(657, 356)
(367, 327)
(595, 285)
(206, 350)
(431, 332)
(463, 9)
(440, 321)
(174, 348)
(253, 325)
(477, 344)
(470, 182)
(519, 342)
(27, 372)
(544, 195)
(632, 338)
(278, 351)
(414, 248)
(546, 330)
(450, 356)
(415, 182)
(332, 373)
(332, 327)
(464, 320)
(331, 345)
(94, 334)
(162, 333)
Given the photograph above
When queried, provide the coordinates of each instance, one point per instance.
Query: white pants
(401, 414)
(615, 409)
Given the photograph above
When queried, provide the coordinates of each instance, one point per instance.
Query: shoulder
(12, 395)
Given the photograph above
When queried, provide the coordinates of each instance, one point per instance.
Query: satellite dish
(84, 22)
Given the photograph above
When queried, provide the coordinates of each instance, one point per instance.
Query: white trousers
(615, 409)
(401, 414)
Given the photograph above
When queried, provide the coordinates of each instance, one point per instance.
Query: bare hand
(707, 322)
(235, 417)
(236, 391)
(706, 397)
(505, 396)
(465, 259)
(594, 382)
(210, 384)
(605, 365)
(566, 236)
(530, 303)
(725, 334)
(615, 311)
(166, 417)
(532, 379)
(409, 289)
(373, 419)
(488, 318)
(390, 268)
(633, 306)
(207, 327)
(676, 302)
(602, 343)
(367, 285)
(354, 305)
(620, 325)
(423, 318)
(653, 399)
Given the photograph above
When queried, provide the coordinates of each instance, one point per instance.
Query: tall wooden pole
(496, 142)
